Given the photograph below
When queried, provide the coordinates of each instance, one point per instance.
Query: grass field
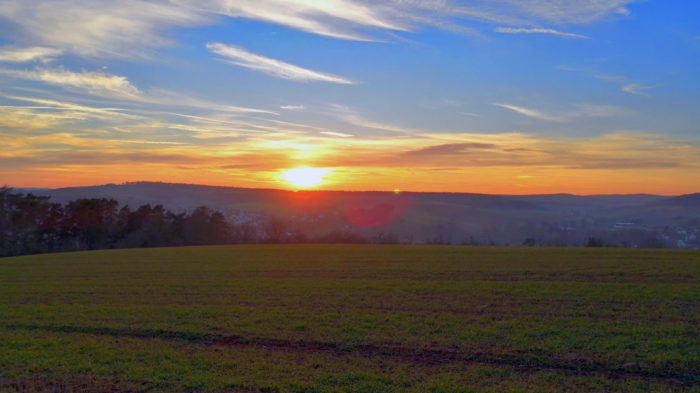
(278, 318)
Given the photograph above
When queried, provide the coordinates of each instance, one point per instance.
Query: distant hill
(690, 201)
(554, 219)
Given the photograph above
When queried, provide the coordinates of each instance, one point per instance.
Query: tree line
(31, 224)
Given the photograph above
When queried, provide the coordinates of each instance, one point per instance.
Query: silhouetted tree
(205, 226)
(275, 230)
(28, 223)
(91, 222)
(31, 224)
(245, 232)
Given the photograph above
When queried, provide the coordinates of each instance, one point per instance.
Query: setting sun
(305, 177)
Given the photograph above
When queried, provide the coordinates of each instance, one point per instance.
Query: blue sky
(527, 96)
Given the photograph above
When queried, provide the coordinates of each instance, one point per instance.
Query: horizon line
(344, 191)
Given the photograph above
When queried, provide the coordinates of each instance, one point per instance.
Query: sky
(484, 96)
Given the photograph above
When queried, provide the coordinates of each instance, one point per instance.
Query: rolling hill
(638, 220)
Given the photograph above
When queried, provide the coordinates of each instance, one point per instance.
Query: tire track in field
(523, 362)
(490, 310)
(484, 312)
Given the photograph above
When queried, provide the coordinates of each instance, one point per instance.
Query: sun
(305, 177)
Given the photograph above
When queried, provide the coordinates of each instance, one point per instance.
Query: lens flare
(304, 177)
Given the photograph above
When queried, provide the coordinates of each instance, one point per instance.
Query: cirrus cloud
(121, 28)
(24, 55)
(96, 83)
(239, 56)
(130, 28)
(578, 111)
(512, 30)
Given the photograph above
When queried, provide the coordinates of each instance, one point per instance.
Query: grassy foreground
(327, 318)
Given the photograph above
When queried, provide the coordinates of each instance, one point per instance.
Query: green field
(306, 318)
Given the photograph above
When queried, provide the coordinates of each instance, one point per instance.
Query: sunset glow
(421, 97)
(439, 149)
(304, 177)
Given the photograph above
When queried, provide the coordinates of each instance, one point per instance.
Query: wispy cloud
(86, 111)
(333, 18)
(345, 18)
(578, 111)
(349, 116)
(130, 28)
(340, 134)
(96, 83)
(635, 88)
(120, 28)
(35, 118)
(52, 136)
(520, 30)
(570, 11)
(24, 55)
(450, 149)
(624, 83)
(279, 69)
(171, 99)
(528, 112)
(293, 107)
(609, 151)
